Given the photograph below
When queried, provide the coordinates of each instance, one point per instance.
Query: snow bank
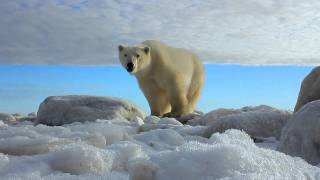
(301, 136)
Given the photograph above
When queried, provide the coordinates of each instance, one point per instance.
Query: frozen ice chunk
(143, 169)
(151, 119)
(169, 121)
(125, 152)
(161, 138)
(81, 159)
(112, 133)
(230, 155)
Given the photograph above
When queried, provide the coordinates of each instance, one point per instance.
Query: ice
(116, 149)
(3, 160)
(152, 119)
(81, 159)
(169, 121)
(111, 132)
(231, 155)
(2, 124)
(192, 130)
(161, 139)
(142, 169)
(124, 153)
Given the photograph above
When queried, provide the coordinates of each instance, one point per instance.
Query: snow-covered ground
(119, 149)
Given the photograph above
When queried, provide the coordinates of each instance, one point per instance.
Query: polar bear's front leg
(156, 97)
(178, 100)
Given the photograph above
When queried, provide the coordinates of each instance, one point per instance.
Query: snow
(81, 159)
(169, 121)
(117, 149)
(161, 139)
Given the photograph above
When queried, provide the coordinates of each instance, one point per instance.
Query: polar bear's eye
(137, 55)
(125, 55)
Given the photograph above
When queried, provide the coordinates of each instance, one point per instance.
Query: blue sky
(24, 87)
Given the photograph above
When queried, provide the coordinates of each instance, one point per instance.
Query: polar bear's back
(169, 62)
(177, 59)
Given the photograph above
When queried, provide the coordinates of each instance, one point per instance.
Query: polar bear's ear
(120, 47)
(146, 49)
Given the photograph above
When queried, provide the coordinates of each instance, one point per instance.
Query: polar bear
(170, 78)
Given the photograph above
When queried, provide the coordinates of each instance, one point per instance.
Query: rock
(32, 114)
(218, 113)
(301, 135)
(148, 127)
(260, 121)
(190, 117)
(310, 89)
(59, 110)
(25, 118)
(7, 117)
(16, 114)
(19, 117)
(213, 116)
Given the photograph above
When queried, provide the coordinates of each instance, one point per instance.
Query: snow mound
(124, 153)
(29, 139)
(301, 136)
(231, 155)
(81, 159)
(161, 139)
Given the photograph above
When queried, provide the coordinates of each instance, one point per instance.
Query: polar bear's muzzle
(130, 67)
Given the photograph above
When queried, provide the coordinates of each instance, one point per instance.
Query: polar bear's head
(134, 59)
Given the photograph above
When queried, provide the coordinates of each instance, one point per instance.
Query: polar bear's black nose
(130, 67)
